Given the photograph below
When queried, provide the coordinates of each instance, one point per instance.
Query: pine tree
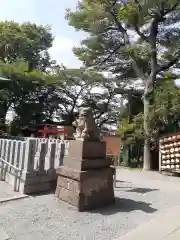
(136, 39)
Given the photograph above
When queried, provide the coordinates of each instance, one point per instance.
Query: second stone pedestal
(86, 179)
(85, 190)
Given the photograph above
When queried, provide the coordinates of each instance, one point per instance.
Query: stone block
(86, 164)
(79, 149)
(40, 187)
(84, 155)
(66, 195)
(85, 189)
(69, 184)
(26, 181)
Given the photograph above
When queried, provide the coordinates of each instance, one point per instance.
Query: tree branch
(111, 28)
(136, 28)
(114, 14)
(128, 91)
(144, 37)
(112, 4)
(107, 105)
(106, 121)
(110, 55)
(153, 41)
(166, 66)
(76, 98)
(149, 86)
(172, 8)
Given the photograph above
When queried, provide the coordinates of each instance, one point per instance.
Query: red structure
(51, 129)
(45, 129)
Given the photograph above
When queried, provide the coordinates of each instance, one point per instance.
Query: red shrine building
(46, 130)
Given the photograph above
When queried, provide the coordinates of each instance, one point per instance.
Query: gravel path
(139, 197)
(6, 191)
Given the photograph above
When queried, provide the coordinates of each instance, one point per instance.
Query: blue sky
(49, 12)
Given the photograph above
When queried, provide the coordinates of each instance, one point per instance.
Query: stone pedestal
(86, 179)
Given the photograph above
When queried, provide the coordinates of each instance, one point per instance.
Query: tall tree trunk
(3, 112)
(147, 150)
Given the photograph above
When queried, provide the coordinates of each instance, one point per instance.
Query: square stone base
(33, 182)
(85, 190)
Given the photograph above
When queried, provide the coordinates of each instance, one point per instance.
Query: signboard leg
(115, 168)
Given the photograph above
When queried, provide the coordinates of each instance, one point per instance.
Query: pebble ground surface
(6, 191)
(140, 196)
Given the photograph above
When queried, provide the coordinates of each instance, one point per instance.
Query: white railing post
(3, 151)
(29, 155)
(62, 153)
(6, 157)
(22, 155)
(42, 159)
(52, 156)
(12, 152)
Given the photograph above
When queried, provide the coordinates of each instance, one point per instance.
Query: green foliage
(22, 87)
(36, 97)
(76, 89)
(164, 114)
(24, 60)
(105, 47)
(38, 90)
(131, 12)
(165, 110)
(132, 132)
(133, 39)
(28, 42)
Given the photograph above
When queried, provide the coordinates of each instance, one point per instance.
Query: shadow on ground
(46, 192)
(142, 190)
(127, 186)
(42, 193)
(125, 205)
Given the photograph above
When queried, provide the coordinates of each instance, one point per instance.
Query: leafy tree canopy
(164, 114)
(135, 39)
(28, 42)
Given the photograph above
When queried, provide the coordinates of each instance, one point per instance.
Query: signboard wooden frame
(113, 145)
(113, 148)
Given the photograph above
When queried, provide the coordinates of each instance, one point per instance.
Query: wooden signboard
(113, 145)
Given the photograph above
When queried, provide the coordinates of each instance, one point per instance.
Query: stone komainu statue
(86, 127)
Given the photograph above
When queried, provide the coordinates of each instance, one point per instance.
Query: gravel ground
(6, 191)
(139, 197)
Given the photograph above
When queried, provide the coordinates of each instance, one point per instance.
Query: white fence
(30, 165)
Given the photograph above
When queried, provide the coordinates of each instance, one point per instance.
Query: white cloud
(19, 10)
(32, 10)
(61, 51)
(62, 44)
